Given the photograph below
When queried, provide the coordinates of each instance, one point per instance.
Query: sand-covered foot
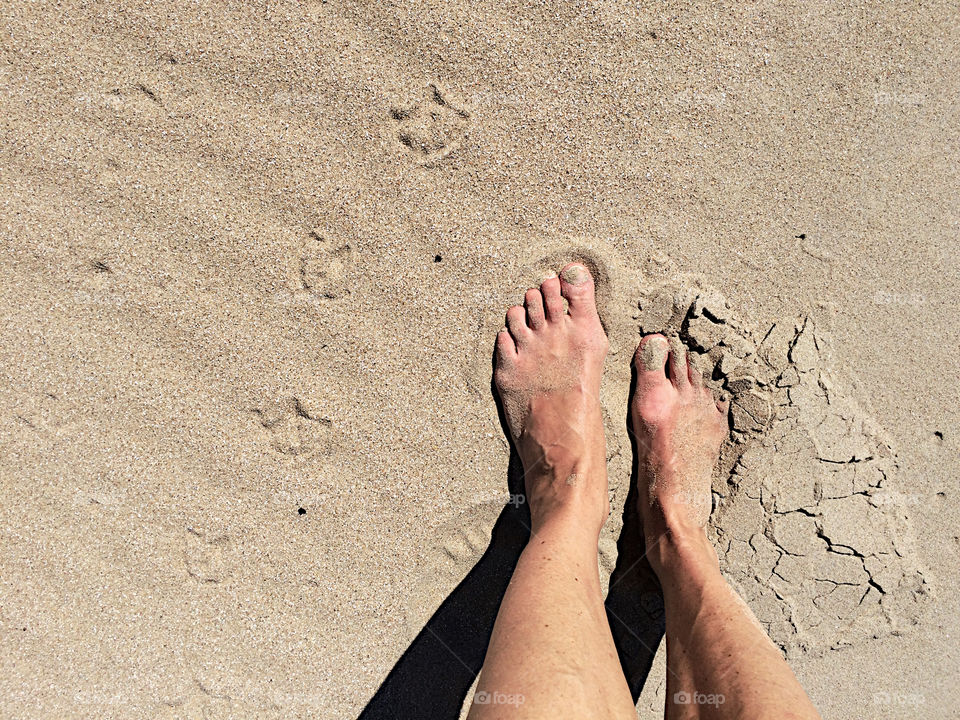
(549, 362)
(679, 429)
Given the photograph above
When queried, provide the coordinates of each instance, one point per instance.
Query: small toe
(534, 303)
(517, 324)
(506, 347)
(576, 285)
(552, 300)
(651, 357)
(694, 373)
(677, 366)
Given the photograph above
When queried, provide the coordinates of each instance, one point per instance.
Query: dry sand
(254, 255)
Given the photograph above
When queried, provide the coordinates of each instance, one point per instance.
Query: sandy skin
(552, 652)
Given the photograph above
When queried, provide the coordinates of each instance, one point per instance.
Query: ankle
(577, 514)
(567, 493)
(572, 533)
(676, 546)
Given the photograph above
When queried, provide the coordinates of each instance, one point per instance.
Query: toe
(576, 285)
(517, 324)
(552, 301)
(677, 366)
(694, 373)
(651, 358)
(506, 347)
(534, 302)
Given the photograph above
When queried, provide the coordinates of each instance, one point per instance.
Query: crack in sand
(797, 495)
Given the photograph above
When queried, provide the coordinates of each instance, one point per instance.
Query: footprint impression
(430, 129)
(293, 430)
(322, 266)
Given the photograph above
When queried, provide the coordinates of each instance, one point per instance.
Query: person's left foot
(548, 367)
(679, 427)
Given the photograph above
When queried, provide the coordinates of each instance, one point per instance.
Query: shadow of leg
(433, 676)
(634, 600)
(634, 603)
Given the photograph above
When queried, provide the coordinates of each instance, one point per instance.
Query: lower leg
(720, 662)
(552, 653)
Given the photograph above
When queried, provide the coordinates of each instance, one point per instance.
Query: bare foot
(548, 368)
(679, 428)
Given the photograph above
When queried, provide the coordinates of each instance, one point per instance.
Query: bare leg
(551, 653)
(720, 662)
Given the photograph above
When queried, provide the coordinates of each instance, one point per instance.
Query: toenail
(576, 274)
(653, 353)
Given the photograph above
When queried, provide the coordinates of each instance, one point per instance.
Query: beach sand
(255, 255)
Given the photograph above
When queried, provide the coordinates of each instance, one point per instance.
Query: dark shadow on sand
(433, 676)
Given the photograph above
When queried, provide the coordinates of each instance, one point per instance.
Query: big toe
(576, 285)
(651, 360)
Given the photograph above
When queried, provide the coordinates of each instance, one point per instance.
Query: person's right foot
(679, 428)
